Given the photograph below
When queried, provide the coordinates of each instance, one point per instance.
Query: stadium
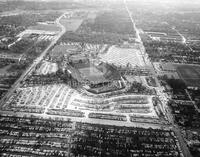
(95, 76)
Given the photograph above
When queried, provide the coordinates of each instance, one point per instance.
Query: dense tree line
(21, 46)
(27, 20)
(106, 38)
(11, 31)
(111, 22)
(37, 5)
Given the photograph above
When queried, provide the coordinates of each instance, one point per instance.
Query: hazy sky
(191, 1)
(153, 1)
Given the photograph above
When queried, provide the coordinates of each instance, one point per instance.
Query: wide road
(174, 127)
(134, 26)
(35, 62)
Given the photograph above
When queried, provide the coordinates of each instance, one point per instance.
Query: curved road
(35, 62)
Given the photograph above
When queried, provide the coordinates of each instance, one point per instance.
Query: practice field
(190, 74)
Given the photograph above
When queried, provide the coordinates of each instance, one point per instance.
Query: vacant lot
(190, 74)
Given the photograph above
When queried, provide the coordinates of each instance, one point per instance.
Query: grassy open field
(46, 27)
(72, 24)
(190, 74)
